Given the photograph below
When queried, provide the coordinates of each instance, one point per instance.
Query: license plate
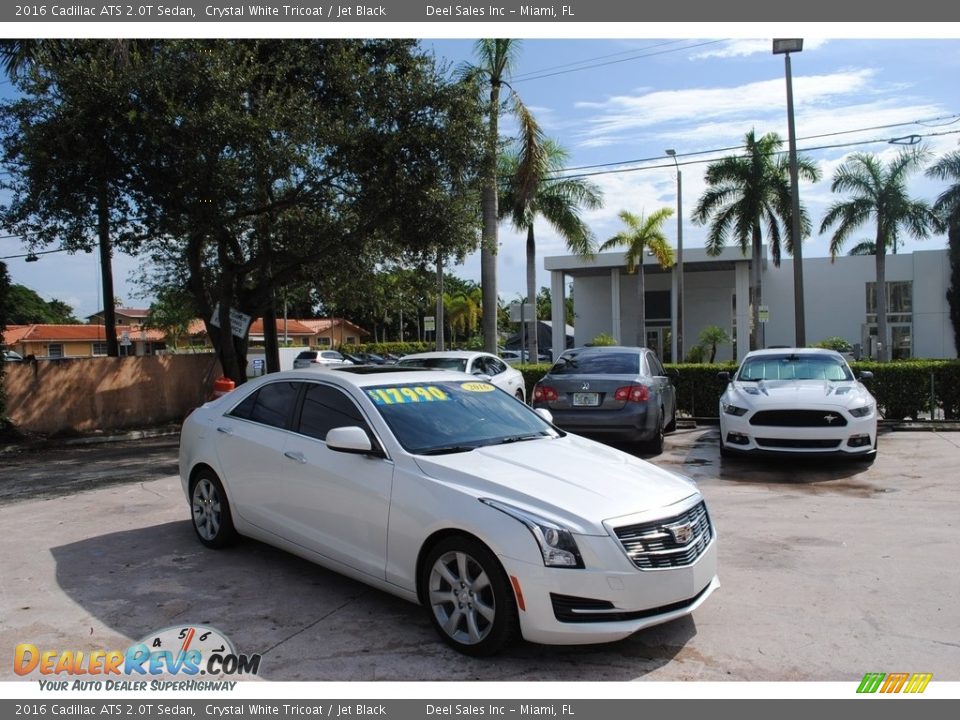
(586, 399)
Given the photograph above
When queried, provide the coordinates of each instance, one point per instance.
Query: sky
(616, 104)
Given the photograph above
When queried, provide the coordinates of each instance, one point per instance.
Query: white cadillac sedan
(797, 401)
(487, 366)
(438, 488)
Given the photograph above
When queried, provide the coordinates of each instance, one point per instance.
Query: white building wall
(591, 308)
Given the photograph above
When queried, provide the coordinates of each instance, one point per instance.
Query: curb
(40, 444)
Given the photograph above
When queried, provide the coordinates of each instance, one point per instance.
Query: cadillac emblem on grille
(682, 532)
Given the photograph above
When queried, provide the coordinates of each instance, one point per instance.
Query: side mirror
(350, 439)
(545, 414)
(866, 375)
(725, 376)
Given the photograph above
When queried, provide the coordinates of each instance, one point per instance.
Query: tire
(210, 511)
(655, 444)
(468, 596)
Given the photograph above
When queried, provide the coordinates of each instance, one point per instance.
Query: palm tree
(558, 201)
(643, 234)
(496, 59)
(879, 193)
(947, 207)
(746, 193)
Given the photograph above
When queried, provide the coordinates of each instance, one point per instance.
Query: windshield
(608, 363)
(794, 367)
(459, 416)
(459, 364)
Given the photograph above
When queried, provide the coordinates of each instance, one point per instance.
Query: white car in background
(797, 401)
(484, 365)
(437, 488)
(321, 358)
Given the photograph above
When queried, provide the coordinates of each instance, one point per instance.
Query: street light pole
(785, 47)
(679, 357)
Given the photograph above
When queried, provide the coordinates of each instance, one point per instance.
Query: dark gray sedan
(611, 393)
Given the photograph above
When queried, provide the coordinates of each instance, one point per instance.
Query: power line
(525, 78)
(532, 74)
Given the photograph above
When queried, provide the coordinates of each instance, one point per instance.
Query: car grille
(798, 418)
(792, 443)
(654, 545)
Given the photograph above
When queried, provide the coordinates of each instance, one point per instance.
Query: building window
(99, 348)
(899, 301)
(55, 350)
(323, 342)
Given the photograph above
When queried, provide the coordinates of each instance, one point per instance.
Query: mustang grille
(792, 443)
(662, 544)
(798, 418)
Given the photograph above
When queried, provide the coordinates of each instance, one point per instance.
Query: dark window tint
(495, 366)
(325, 408)
(610, 363)
(656, 368)
(270, 405)
(307, 355)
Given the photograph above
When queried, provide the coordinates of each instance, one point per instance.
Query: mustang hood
(596, 482)
(798, 394)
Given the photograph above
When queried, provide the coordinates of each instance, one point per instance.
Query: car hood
(571, 480)
(798, 394)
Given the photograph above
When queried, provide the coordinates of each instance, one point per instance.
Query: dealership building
(840, 301)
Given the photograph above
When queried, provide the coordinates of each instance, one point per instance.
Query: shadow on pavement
(310, 623)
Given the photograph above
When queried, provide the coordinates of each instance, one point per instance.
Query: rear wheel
(655, 444)
(210, 509)
(468, 596)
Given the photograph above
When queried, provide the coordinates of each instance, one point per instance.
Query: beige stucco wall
(89, 394)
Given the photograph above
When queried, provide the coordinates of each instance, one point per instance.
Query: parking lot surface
(828, 571)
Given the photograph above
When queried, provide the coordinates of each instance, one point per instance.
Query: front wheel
(468, 596)
(210, 509)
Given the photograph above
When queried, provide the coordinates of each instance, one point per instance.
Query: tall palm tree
(947, 207)
(744, 194)
(643, 234)
(496, 60)
(879, 193)
(557, 200)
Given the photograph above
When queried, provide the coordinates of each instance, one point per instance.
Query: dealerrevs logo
(176, 650)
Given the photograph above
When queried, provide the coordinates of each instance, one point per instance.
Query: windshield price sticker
(406, 394)
(477, 387)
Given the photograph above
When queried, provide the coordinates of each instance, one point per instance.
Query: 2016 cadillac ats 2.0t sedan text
(446, 491)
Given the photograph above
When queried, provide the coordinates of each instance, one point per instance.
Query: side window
(655, 367)
(325, 408)
(495, 366)
(270, 405)
(480, 366)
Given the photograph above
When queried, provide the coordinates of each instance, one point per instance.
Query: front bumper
(583, 606)
(857, 438)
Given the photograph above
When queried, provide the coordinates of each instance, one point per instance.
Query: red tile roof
(79, 333)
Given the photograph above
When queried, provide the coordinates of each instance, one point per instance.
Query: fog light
(735, 438)
(858, 440)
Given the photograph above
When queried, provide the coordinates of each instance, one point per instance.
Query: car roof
(456, 354)
(608, 348)
(363, 375)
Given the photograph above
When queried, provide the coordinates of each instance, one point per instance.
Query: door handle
(297, 457)
(225, 430)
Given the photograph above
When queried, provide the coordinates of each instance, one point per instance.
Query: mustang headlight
(731, 409)
(557, 545)
(861, 411)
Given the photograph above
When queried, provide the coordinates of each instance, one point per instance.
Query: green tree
(947, 207)
(496, 59)
(545, 305)
(261, 164)
(643, 234)
(712, 337)
(878, 193)
(26, 307)
(556, 199)
(746, 193)
(64, 192)
(4, 313)
(172, 312)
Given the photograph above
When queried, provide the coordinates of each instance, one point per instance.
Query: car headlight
(861, 411)
(557, 545)
(731, 409)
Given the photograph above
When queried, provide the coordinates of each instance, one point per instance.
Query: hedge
(902, 389)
